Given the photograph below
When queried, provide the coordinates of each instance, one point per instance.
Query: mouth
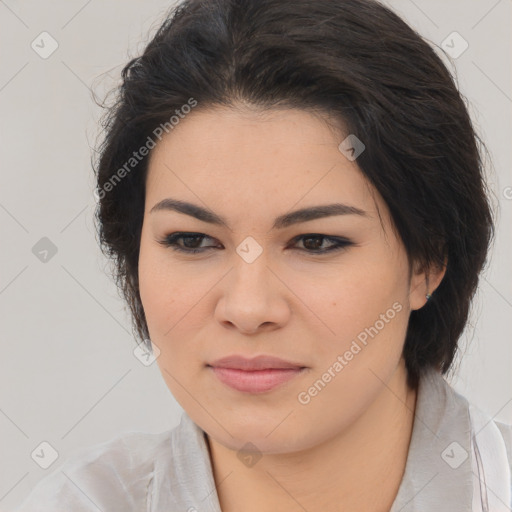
(255, 381)
(256, 375)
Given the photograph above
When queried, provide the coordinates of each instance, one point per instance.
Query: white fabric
(491, 470)
(171, 471)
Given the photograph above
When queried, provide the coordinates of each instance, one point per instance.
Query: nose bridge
(252, 293)
(251, 265)
(252, 287)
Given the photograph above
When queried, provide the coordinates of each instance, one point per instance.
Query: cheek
(172, 304)
(368, 315)
(366, 301)
(152, 289)
(163, 308)
(159, 288)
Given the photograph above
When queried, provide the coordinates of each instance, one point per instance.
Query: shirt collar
(437, 474)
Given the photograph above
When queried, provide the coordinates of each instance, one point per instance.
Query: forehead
(269, 161)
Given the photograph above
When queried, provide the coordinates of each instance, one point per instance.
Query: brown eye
(316, 243)
(191, 242)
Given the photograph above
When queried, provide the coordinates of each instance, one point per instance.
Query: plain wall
(68, 374)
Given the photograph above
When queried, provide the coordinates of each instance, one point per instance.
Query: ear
(424, 281)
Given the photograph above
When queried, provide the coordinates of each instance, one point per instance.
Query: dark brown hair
(358, 62)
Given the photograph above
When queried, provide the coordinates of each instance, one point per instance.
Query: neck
(369, 455)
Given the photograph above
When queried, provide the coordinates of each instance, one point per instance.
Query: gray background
(68, 373)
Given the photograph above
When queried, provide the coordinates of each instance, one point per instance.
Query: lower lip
(257, 381)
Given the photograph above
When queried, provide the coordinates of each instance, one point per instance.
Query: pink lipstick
(256, 375)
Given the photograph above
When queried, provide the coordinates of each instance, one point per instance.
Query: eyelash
(171, 241)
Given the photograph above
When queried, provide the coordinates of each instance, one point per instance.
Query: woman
(293, 195)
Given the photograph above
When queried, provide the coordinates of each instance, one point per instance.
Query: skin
(354, 434)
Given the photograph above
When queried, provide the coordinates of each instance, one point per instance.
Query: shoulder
(487, 442)
(506, 432)
(487, 431)
(492, 457)
(112, 475)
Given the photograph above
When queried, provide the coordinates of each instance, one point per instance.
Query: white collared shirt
(458, 460)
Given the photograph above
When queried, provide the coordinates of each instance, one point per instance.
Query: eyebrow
(283, 221)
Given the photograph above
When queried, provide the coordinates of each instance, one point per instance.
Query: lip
(262, 362)
(255, 381)
(256, 375)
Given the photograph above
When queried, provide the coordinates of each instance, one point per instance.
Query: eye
(312, 243)
(190, 240)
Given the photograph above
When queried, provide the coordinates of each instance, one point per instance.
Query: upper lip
(262, 362)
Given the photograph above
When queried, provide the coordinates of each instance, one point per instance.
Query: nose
(254, 298)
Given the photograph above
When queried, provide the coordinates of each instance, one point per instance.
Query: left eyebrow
(281, 222)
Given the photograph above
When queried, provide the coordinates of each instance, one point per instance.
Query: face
(330, 294)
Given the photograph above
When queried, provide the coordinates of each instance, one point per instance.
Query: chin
(266, 433)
